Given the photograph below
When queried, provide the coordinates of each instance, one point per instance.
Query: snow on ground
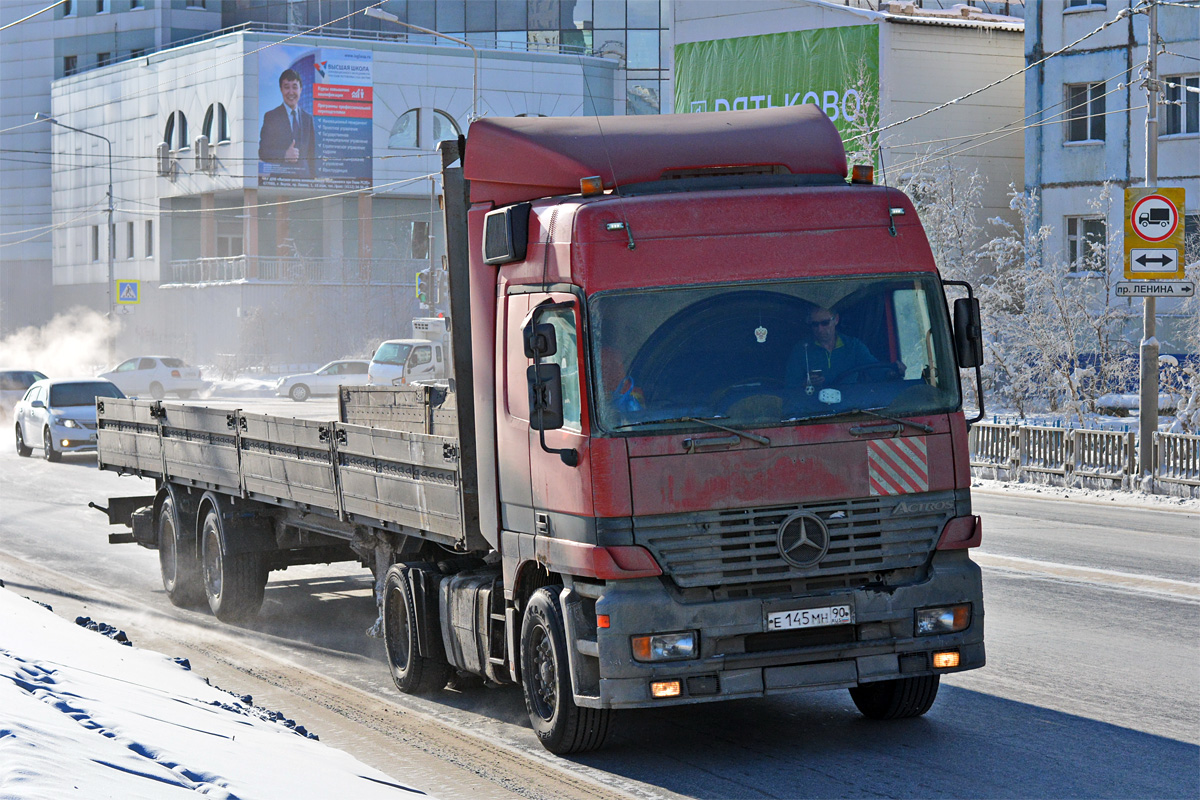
(82, 715)
(1116, 497)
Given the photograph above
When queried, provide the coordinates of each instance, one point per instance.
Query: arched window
(404, 132)
(444, 126)
(175, 135)
(219, 133)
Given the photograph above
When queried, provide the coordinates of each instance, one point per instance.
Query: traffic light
(424, 291)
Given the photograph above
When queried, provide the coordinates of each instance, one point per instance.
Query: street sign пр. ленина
(1156, 289)
(1154, 234)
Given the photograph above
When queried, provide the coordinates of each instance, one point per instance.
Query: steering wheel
(888, 372)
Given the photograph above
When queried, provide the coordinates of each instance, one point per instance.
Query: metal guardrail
(1013, 451)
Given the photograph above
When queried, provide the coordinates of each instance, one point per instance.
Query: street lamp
(40, 117)
(386, 16)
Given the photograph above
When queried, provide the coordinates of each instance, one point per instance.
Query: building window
(135, 4)
(68, 8)
(137, 52)
(149, 238)
(101, 6)
(1098, 4)
(95, 243)
(1086, 238)
(1181, 113)
(103, 59)
(216, 124)
(70, 65)
(129, 240)
(404, 132)
(444, 126)
(1085, 112)
(175, 133)
(195, 4)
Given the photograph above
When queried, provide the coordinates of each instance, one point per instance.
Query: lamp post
(39, 116)
(386, 16)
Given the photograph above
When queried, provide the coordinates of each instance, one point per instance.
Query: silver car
(13, 385)
(325, 381)
(59, 415)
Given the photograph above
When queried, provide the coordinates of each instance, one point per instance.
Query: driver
(828, 355)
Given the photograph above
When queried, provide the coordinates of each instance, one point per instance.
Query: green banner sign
(834, 68)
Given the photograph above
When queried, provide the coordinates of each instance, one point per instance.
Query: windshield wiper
(754, 437)
(874, 412)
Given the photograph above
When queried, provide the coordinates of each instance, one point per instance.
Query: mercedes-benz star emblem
(803, 539)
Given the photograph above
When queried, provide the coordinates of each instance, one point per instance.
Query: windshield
(392, 353)
(81, 394)
(759, 355)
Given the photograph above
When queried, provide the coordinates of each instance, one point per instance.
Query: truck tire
(233, 582)
(561, 726)
(412, 672)
(177, 559)
(897, 699)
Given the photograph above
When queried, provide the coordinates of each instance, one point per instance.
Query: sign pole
(1148, 418)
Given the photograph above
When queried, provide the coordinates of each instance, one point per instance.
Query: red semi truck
(705, 439)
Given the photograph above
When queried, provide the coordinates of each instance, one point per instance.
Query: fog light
(665, 646)
(945, 660)
(65, 443)
(943, 619)
(664, 689)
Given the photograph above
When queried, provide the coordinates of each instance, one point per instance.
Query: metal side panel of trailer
(200, 447)
(288, 460)
(401, 478)
(128, 438)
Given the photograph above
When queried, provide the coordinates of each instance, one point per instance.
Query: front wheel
(23, 449)
(299, 393)
(233, 582)
(411, 672)
(897, 699)
(157, 391)
(562, 726)
(48, 444)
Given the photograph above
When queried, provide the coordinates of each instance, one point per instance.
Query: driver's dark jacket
(848, 354)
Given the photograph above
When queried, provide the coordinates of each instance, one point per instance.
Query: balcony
(293, 270)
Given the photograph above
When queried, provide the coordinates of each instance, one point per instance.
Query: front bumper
(77, 440)
(738, 659)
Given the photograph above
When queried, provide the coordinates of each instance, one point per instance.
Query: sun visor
(513, 159)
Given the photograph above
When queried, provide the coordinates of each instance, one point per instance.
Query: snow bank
(83, 716)
(1116, 497)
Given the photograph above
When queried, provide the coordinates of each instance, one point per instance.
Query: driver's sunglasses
(821, 323)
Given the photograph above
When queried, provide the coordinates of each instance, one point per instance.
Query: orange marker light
(592, 185)
(945, 660)
(665, 689)
(602, 620)
(862, 174)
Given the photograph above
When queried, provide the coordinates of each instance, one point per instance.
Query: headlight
(665, 646)
(943, 619)
(66, 423)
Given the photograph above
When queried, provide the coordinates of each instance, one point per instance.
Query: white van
(400, 361)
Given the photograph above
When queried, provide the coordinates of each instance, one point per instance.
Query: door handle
(693, 445)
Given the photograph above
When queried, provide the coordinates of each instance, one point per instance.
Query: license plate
(810, 618)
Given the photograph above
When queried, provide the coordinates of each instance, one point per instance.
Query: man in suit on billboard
(288, 136)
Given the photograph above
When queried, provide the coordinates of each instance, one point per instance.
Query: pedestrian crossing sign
(128, 292)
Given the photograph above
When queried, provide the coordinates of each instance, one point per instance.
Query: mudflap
(423, 580)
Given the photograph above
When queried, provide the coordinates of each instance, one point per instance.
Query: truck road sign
(1156, 289)
(1154, 233)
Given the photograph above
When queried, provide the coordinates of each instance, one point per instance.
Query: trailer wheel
(412, 672)
(897, 699)
(233, 582)
(177, 560)
(562, 726)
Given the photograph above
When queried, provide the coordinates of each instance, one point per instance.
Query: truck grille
(735, 552)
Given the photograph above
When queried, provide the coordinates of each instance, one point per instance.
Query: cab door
(420, 366)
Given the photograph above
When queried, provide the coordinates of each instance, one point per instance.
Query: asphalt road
(1092, 687)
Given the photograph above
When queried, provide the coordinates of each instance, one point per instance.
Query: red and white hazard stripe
(898, 466)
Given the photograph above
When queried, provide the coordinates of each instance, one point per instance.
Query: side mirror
(36, 404)
(540, 341)
(968, 332)
(545, 396)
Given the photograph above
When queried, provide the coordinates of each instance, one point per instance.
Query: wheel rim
(543, 677)
(168, 552)
(299, 393)
(398, 629)
(47, 443)
(212, 558)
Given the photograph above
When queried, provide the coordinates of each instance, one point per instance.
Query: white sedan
(155, 376)
(325, 381)
(59, 415)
